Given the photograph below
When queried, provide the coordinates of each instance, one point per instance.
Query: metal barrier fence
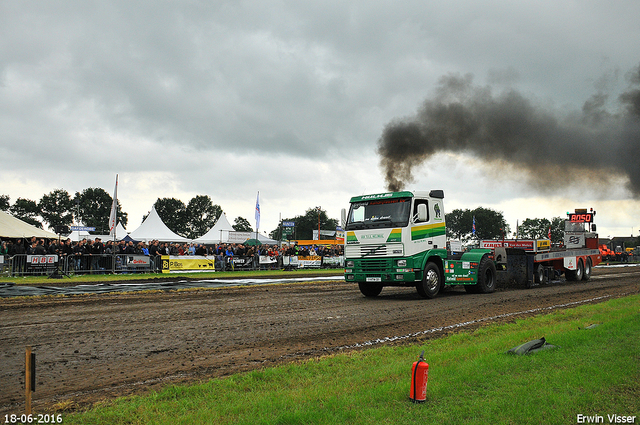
(56, 266)
(53, 264)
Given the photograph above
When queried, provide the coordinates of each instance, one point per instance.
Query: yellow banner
(182, 263)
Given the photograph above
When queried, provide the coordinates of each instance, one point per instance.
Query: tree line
(92, 208)
(58, 208)
(491, 224)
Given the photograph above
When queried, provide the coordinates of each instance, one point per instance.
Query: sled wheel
(587, 270)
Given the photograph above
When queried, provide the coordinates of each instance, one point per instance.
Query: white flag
(114, 211)
(258, 212)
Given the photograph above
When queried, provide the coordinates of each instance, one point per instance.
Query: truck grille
(364, 251)
(375, 265)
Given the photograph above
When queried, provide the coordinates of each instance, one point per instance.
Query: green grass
(471, 380)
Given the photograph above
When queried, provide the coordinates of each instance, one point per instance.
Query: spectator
(97, 250)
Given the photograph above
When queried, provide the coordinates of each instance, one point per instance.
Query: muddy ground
(95, 347)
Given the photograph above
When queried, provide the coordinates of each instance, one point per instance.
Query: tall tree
(459, 224)
(557, 229)
(94, 208)
(241, 224)
(538, 228)
(489, 224)
(201, 215)
(4, 203)
(27, 211)
(56, 208)
(173, 213)
(534, 228)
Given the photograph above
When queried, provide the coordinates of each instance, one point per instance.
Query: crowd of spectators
(96, 256)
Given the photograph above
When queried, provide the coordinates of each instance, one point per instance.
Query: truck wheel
(539, 275)
(370, 290)
(587, 270)
(431, 281)
(486, 276)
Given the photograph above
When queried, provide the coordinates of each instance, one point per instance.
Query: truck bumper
(390, 277)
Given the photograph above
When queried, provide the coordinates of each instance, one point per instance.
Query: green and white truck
(399, 239)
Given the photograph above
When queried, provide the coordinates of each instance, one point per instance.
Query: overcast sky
(291, 98)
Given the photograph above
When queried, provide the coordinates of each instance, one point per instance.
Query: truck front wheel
(431, 281)
(370, 290)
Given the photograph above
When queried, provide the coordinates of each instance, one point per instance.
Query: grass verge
(471, 380)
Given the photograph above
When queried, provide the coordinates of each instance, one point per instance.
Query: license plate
(374, 279)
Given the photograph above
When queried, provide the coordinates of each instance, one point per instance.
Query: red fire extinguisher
(419, 377)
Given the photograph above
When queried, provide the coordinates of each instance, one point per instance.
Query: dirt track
(94, 347)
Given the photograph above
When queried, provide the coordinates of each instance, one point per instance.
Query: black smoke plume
(507, 130)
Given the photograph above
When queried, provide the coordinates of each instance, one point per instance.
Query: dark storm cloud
(551, 149)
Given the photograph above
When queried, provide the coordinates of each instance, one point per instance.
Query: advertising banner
(41, 263)
(288, 228)
(311, 261)
(527, 245)
(135, 261)
(187, 263)
(239, 237)
(242, 263)
(264, 259)
(333, 261)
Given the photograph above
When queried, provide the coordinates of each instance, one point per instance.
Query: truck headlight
(402, 263)
(349, 263)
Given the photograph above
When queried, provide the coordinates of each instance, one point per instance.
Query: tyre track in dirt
(100, 346)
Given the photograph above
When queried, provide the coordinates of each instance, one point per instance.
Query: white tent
(152, 228)
(11, 227)
(222, 232)
(219, 232)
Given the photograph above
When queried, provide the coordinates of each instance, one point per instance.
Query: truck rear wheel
(486, 276)
(431, 281)
(587, 270)
(370, 290)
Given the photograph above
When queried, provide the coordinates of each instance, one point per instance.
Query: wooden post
(27, 380)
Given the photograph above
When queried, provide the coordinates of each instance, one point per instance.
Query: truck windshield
(379, 213)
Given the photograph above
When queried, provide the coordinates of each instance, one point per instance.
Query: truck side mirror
(422, 212)
(343, 217)
(593, 227)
